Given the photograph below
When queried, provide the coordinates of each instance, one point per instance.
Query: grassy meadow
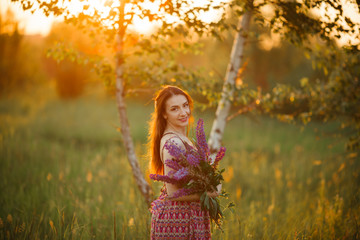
(64, 174)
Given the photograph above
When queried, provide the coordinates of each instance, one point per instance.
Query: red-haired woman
(182, 217)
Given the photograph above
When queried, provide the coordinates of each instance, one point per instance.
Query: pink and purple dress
(178, 219)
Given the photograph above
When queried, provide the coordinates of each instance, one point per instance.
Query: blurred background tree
(18, 51)
(71, 77)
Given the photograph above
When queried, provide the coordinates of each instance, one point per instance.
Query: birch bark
(236, 61)
(143, 185)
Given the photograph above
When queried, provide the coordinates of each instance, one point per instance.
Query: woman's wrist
(188, 198)
(212, 194)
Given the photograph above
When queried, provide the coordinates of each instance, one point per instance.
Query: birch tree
(235, 63)
(124, 122)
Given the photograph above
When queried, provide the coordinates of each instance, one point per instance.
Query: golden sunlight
(29, 24)
(38, 23)
(351, 11)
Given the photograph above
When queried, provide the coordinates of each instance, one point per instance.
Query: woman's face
(177, 111)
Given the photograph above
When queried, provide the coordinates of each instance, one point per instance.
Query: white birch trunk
(124, 123)
(236, 61)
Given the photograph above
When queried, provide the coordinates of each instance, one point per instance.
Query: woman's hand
(213, 194)
(218, 188)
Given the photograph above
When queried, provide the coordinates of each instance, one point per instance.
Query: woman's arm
(190, 198)
(171, 189)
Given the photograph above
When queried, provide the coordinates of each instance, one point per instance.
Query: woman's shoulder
(172, 138)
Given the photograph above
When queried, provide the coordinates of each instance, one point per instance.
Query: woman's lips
(183, 119)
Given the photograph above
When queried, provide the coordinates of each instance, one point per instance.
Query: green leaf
(230, 205)
(215, 207)
(202, 200)
(207, 201)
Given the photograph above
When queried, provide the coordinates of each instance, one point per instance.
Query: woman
(182, 217)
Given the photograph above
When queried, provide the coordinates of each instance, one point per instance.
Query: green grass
(64, 175)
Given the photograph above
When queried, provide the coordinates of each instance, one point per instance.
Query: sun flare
(103, 7)
(37, 23)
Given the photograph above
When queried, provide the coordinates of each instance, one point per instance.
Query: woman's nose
(183, 111)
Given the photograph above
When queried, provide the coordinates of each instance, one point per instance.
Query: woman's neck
(180, 131)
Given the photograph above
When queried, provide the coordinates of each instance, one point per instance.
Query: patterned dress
(178, 220)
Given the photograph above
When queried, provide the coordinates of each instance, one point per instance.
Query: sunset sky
(38, 23)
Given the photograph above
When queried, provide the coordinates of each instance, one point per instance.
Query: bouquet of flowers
(194, 172)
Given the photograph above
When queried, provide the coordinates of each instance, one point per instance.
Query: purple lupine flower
(193, 160)
(201, 140)
(163, 178)
(183, 192)
(219, 156)
(174, 150)
(181, 174)
(172, 163)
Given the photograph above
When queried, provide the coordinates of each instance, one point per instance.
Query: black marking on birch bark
(213, 150)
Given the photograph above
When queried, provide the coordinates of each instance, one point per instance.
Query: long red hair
(157, 125)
